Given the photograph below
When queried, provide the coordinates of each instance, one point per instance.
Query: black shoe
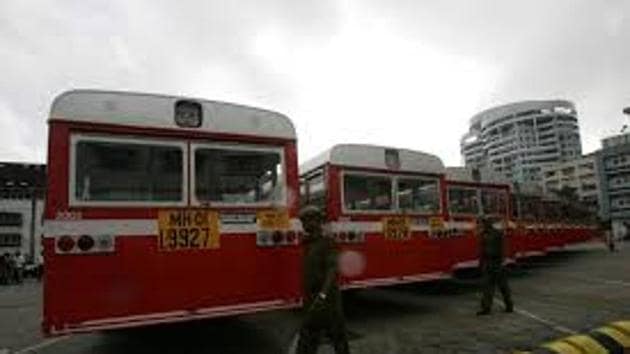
(483, 312)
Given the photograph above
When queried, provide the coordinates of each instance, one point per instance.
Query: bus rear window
(116, 171)
(238, 176)
(418, 195)
(494, 202)
(462, 200)
(367, 192)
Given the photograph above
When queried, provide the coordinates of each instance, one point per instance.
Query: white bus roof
(371, 156)
(158, 111)
(465, 174)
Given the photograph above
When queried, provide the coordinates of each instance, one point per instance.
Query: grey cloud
(540, 49)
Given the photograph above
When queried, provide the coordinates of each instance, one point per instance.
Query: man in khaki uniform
(491, 265)
(323, 312)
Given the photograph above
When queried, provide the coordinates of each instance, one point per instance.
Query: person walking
(4, 269)
(609, 237)
(491, 265)
(323, 311)
(11, 267)
(20, 262)
(40, 267)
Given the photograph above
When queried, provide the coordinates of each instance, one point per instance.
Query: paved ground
(555, 295)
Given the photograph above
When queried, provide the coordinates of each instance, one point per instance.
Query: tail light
(277, 237)
(266, 238)
(105, 242)
(65, 243)
(85, 243)
(291, 237)
(75, 244)
(349, 237)
(263, 238)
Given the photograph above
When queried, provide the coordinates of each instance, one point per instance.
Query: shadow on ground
(229, 335)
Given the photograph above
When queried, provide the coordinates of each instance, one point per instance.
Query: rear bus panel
(384, 261)
(139, 284)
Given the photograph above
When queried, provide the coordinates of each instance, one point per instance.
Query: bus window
(363, 192)
(514, 206)
(493, 202)
(463, 200)
(238, 176)
(418, 195)
(529, 208)
(126, 171)
(303, 191)
(316, 190)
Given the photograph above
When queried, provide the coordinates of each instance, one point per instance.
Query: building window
(10, 219)
(10, 240)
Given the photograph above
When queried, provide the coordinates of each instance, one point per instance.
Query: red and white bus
(385, 208)
(163, 209)
(546, 223)
(468, 195)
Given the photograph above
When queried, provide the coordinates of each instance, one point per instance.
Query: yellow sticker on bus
(188, 229)
(436, 223)
(273, 219)
(396, 227)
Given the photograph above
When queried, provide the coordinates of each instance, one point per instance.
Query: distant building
(580, 175)
(518, 139)
(470, 174)
(21, 207)
(613, 162)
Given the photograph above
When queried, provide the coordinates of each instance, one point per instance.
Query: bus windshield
(238, 176)
(463, 200)
(494, 202)
(418, 195)
(123, 171)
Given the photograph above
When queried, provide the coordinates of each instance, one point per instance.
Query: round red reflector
(277, 237)
(65, 243)
(291, 236)
(85, 243)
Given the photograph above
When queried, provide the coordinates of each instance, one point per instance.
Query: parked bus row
(401, 216)
(163, 209)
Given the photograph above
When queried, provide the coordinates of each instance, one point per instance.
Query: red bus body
(370, 255)
(465, 250)
(136, 282)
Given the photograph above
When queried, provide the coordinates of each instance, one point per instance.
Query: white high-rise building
(579, 174)
(518, 139)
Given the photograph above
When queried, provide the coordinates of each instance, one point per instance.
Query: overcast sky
(400, 73)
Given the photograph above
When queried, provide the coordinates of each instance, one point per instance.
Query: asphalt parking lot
(558, 294)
